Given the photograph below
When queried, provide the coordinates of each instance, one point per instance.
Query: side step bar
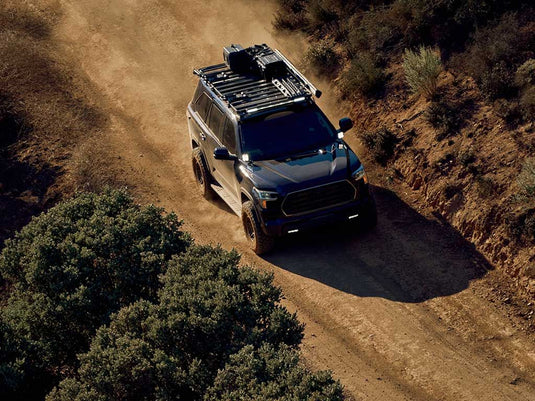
(234, 205)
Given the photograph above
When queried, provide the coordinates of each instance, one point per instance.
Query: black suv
(262, 144)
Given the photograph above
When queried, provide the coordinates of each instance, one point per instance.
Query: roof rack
(257, 79)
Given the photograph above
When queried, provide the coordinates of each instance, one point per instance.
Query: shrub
(381, 144)
(71, 267)
(444, 117)
(364, 77)
(492, 55)
(371, 32)
(496, 81)
(522, 224)
(322, 57)
(291, 15)
(509, 110)
(526, 179)
(525, 74)
(321, 13)
(527, 104)
(485, 186)
(466, 158)
(213, 321)
(271, 374)
(422, 69)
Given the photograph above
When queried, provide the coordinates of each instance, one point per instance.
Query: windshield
(286, 133)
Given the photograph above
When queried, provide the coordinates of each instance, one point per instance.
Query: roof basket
(257, 79)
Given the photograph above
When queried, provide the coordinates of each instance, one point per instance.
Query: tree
(210, 319)
(269, 374)
(73, 266)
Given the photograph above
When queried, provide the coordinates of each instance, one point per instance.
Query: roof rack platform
(256, 79)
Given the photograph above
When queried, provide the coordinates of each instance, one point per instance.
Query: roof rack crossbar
(257, 92)
(262, 102)
(203, 71)
(258, 103)
(229, 87)
(272, 106)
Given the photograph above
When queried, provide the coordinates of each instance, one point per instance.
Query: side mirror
(223, 154)
(345, 124)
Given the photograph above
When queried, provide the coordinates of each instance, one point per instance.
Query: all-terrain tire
(202, 175)
(259, 241)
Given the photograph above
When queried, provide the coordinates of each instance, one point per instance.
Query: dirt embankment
(468, 178)
(401, 313)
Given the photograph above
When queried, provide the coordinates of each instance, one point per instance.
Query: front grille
(317, 198)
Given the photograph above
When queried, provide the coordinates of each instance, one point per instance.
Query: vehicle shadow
(406, 258)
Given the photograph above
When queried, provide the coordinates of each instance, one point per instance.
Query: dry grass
(47, 108)
(91, 168)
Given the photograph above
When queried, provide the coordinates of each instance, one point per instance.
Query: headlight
(265, 196)
(360, 174)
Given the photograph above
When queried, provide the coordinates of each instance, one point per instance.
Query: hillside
(49, 118)
(463, 152)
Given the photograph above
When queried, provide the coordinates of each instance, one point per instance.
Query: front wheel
(259, 241)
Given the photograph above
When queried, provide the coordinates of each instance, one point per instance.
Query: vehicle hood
(288, 175)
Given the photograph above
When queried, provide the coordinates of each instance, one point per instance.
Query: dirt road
(397, 314)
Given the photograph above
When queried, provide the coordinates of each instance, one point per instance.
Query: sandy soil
(401, 313)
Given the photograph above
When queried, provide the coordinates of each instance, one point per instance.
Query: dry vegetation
(49, 124)
(466, 145)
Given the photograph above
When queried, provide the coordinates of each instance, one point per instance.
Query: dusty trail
(397, 314)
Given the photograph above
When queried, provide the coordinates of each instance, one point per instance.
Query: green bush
(381, 144)
(466, 158)
(444, 117)
(526, 179)
(422, 69)
(522, 225)
(525, 74)
(321, 13)
(371, 32)
(486, 187)
(527, 103)
(509, 110)
(213, 321)
(271, 374)
(364, 77)
(71, 267)
(322, 57)
(492, 55)
(290, 15)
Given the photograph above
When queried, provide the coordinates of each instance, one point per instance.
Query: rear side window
(203, 105)
(216, 121)
(198, 92)
(229, 136)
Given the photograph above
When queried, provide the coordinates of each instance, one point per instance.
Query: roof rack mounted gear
(256, 79)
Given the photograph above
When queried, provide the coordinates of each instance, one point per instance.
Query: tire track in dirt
(396, 313)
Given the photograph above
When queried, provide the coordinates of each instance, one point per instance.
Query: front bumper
(286, 225)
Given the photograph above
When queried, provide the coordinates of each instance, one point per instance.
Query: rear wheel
(259, 241)
(202, 175)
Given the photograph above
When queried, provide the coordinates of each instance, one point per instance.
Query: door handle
(203, 137)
